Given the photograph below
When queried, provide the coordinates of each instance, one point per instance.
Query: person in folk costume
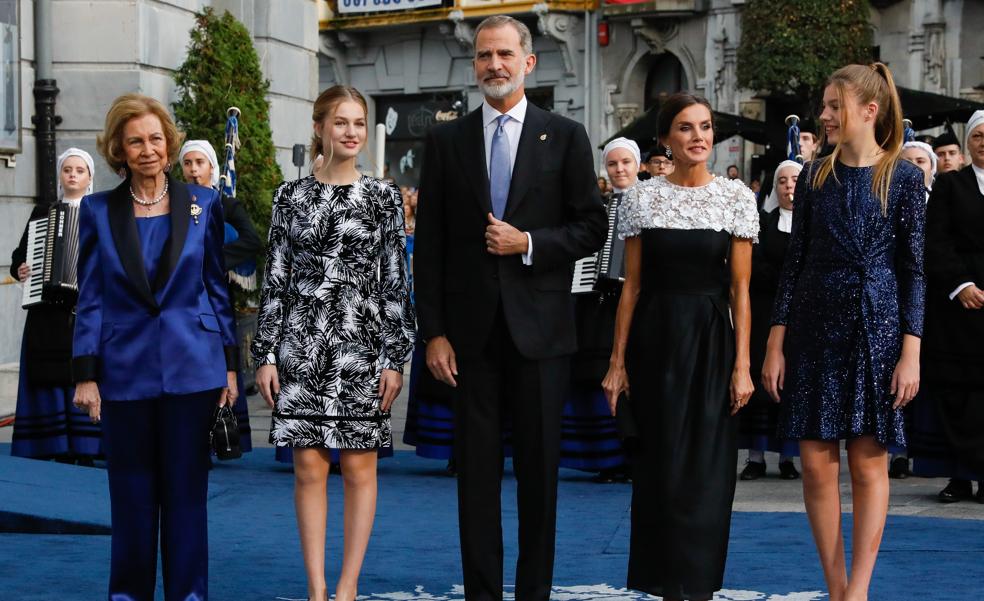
(843, 352)
(46, 423)
(589, 437)
(946, 146)
(921, 155)
(948, 430)
(758, 423)
(200, 166)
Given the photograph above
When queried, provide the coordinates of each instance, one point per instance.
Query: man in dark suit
(508, 202)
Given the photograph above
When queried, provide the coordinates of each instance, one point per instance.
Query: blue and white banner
(379, 6)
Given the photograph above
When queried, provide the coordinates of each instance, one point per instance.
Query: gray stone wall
(104, 49)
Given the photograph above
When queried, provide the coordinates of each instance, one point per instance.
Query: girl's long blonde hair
(868, 83)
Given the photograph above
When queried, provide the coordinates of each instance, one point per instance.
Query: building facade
(606, 63)
(101, 50)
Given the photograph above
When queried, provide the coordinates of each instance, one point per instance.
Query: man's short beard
(503, 90)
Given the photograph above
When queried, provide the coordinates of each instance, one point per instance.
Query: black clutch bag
(625, 424)
(224, 436)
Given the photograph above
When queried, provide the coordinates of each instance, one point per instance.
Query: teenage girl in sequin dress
(843, 352)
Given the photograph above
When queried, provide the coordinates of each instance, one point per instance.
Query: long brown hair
(868, 83)
(325, 106)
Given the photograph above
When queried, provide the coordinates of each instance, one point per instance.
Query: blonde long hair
(868, 83)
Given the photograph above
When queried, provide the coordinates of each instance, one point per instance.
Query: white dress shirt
(980, 184)
(513, 128)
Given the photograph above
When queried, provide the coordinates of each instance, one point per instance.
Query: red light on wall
(603, 37)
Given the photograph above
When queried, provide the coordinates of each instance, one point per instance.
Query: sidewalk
(910, 497)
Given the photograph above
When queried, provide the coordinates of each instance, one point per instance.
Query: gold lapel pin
(543, 137)
(195, 210)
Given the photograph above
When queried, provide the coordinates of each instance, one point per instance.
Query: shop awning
(926, 109)
(643, 129)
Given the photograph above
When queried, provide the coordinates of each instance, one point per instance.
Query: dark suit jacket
(142, 339)
(553, 196)
(953, 348)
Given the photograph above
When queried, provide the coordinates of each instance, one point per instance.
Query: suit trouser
(498, 383)
(157, 457)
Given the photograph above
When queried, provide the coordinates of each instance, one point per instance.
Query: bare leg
(359, 476)
(821, 495)
(311, 504)
(869, 483)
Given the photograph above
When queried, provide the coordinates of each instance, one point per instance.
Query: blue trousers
(157, 457)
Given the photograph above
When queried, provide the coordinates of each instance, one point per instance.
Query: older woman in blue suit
(154, 349)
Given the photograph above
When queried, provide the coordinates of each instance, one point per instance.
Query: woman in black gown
(688, 259)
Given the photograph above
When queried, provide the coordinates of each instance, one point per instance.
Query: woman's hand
(23, 271)
(87, 399)
(615, 383)
(390, 385)
(905, 381)
(774, 372)
(230, 393)
(268, 382)
(741, 388)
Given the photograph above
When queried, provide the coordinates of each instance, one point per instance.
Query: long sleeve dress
(679, 358)
(851, 286)
(335, 311)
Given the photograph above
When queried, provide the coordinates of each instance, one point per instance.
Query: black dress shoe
(956, 490)
(899, 469)
(787, 471)
(753, 470)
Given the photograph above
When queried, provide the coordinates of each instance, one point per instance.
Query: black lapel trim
(527, 156)
(181, 200)
(471, 148)
(123, 225)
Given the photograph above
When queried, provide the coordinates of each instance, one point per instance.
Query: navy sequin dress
(851, 286)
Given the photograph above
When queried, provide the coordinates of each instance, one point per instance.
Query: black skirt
(679, 360)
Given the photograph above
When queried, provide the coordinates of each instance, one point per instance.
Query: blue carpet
(414, 552)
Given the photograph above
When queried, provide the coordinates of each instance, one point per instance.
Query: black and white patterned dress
(335, 310)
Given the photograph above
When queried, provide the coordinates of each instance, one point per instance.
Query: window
(9, 78)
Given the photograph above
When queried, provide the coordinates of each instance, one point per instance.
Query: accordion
(603, 271)
(53, 255)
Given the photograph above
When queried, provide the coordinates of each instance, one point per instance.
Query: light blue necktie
(500, 168)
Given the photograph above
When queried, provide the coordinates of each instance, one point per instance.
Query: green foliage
(790, 47)
(223, 70)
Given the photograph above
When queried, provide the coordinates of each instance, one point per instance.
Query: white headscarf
(976, 120)
(772, 201)
(85, 156)
(204, 147)
(933, 159)
(625, 143)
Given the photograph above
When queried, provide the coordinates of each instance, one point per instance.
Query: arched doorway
(666, 76)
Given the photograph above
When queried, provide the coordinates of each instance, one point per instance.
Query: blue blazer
(141, 339)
